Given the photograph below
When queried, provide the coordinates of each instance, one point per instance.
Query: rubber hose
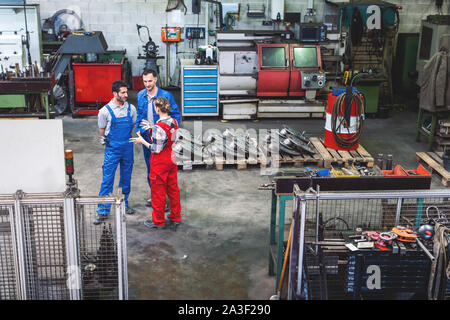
(338, 109)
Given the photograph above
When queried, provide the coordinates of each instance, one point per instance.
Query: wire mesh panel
(50, 248)
(8, 276)
(98, 254)
(45, 255)
(324, 222)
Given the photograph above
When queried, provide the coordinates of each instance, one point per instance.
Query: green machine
(405, 63)
(369, 85)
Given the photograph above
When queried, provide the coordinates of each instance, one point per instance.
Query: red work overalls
(163, 179)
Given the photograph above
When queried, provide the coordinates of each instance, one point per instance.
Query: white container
(277, 7)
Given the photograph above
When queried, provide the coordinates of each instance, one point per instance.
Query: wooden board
(433, 163)
(325, 155)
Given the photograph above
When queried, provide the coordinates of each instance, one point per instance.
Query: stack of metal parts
(353, 169)
(187, 147)
(232, 143)
(291, 142)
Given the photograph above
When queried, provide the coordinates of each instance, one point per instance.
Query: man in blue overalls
(146, 111)
(115, 122)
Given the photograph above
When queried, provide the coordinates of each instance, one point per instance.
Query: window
(273, 57)
(305, 57)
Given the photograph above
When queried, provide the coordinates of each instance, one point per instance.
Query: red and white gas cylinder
(347, 131)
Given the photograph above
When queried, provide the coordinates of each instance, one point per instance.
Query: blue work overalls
(118, 149)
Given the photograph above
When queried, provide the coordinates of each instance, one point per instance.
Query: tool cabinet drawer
(200, 91)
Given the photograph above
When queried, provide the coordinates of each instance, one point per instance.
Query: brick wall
(117, 20)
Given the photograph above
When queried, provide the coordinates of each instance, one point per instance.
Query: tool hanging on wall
(356, 27)
(169, 9)
(150, 50)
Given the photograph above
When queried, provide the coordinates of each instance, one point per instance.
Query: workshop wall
(117, 20)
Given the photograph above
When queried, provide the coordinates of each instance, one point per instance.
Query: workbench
(13, 94)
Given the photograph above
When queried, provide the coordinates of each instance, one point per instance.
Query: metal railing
(322, 219)
(51, 250)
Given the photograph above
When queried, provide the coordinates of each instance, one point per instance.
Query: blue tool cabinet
(200, 91)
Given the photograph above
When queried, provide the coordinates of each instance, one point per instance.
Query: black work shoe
(172, 224)
(129, 210)
(148, 203)
(100, 218)
(152, 226)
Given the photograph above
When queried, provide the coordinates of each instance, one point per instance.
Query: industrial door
(302, 58)
(273, 66)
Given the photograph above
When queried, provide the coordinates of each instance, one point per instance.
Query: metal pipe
(119, 248)
(15, 253)
(421, 245)
(436, 193)
(73, 265)
(206, 24)
(27, 34)
(301, 247)
(317, 217)
(124, 252)
(327, 243)
(399, 211)
(20, 248)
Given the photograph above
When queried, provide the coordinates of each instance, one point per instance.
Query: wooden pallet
(323, 157)
(284, 160)
(433, 162)
(240, 164)
(329, 155)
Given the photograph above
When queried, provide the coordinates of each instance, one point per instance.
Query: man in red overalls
(163, 167)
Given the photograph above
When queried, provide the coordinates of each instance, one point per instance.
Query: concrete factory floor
(220, 251)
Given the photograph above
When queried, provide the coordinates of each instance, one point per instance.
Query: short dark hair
(116, 85)
(150, 71)
(163, 104)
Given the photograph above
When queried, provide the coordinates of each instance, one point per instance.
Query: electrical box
(171, 34)
(195, 33)
(196, 8)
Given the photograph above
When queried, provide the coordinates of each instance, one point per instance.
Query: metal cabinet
(200, 91)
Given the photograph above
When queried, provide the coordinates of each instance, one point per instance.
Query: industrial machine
(206, 55)
(24, 86)
(268, 74)
(312, 32)
(60, 25)
(85, 70)
(431, 31)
